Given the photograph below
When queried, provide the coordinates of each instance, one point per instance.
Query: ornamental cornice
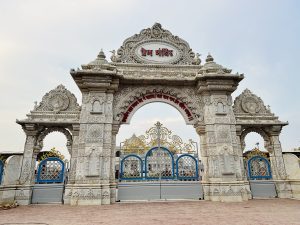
(93, 81)
(217, 83)
(259, 122)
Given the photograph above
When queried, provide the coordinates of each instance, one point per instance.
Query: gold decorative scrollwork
(255, 152)
(141, 144)
(52, 153)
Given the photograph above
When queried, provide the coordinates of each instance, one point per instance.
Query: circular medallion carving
(250, 105)
(58, 102)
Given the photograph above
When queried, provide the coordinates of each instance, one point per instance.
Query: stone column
(27, 176)
(224, 176)
(73, 150)
(92, 185)
(112, 179)
(200, 129)
(277, 165)
(241, 146)
(223, 180)
(106, 164)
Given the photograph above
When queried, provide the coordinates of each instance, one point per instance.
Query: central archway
(130, 98)
(140, 161)
(158, 97)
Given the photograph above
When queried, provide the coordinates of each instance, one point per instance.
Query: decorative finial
(101, 54)
(209, 58)
(113, 56)
(158, 124)
(157, 25)
(197, 59)
(35, 105)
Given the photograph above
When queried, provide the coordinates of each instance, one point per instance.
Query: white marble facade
(113, 91)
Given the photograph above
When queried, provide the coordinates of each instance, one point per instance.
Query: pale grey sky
(41, 40)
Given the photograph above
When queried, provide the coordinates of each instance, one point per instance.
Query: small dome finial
(101, 54)
(209, 58)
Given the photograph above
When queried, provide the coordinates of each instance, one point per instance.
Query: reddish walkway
(278, 211)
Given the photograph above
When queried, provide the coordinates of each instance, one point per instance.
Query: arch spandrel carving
(128, 99)
(58, 100)
(249, 103)
(57, 106)
(250, 110)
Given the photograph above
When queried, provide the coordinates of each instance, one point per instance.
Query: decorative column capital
(238, 130)
(36, 150)
(216, 83)
(200, 129)
(31, 129)
(75, 129)
(115, 128)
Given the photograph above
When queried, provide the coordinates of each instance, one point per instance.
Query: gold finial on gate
(158, 124)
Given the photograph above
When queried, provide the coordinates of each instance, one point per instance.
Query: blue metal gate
(1, 170)
(159, 174)
(260, 177)
(259, 168)
(159, 164)
(49, 185)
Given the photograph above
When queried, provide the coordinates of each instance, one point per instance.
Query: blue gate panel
(51, 170)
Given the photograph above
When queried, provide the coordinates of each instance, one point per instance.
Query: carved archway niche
(43, 134)
(128, 102)
(261, 132)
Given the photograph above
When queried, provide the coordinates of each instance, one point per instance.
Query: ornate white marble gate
(152, 66)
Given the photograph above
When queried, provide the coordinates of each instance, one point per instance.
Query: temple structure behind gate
(151, 66)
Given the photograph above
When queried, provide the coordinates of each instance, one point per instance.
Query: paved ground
(277, 211)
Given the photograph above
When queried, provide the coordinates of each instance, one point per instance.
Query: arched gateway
(152, 66)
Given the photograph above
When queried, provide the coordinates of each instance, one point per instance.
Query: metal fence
(159, 163)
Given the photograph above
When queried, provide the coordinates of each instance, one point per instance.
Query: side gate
(260, 178)
(50, 181)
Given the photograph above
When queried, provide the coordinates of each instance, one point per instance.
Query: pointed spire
(101, 54)
(101, 59)
(209, 58)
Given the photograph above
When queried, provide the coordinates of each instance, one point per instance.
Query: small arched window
(220, 108)
(97, 107)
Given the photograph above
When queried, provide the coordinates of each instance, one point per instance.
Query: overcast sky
(41, 40)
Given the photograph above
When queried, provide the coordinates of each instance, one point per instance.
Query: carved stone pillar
(223, 180)
(74, 154)
(27, 176)
(113, 184)
(277, 165)
(200, 129)
(73, 150)
(93, 162)
(240, 148)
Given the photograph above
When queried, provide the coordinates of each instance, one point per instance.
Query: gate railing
(259, 168)
(159, 164)
(51, 170)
